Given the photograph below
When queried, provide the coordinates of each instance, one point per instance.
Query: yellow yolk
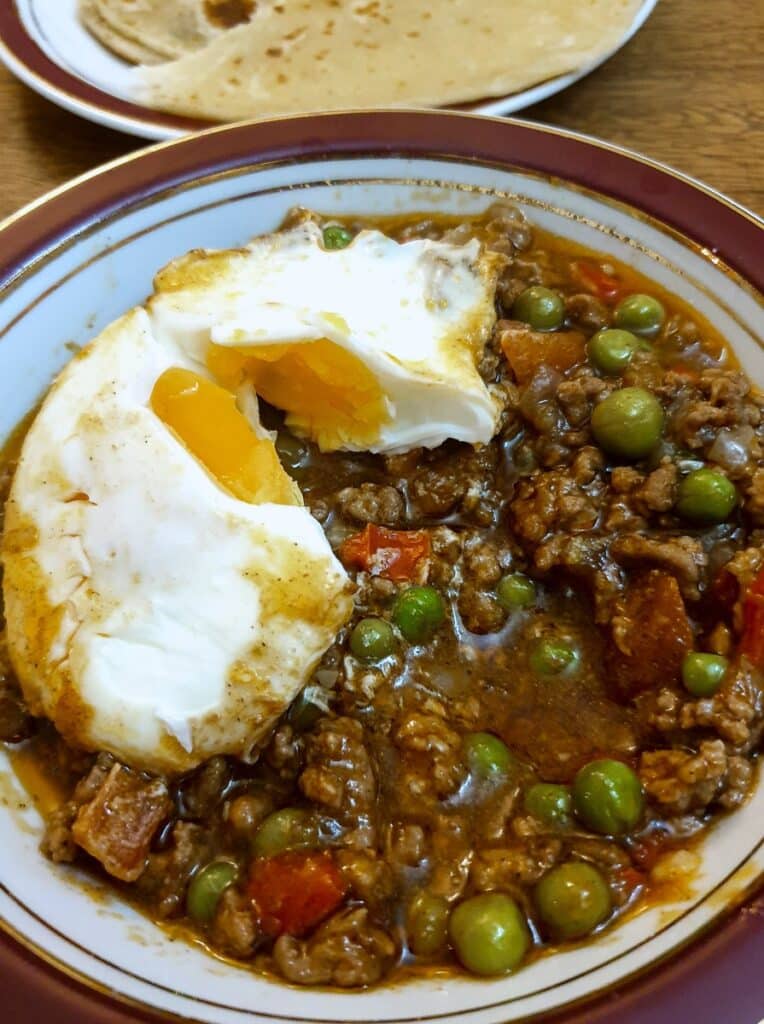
(205, 418)
(329, 394)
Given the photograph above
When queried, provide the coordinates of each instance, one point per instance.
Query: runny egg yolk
(329, 394)
(205, 418)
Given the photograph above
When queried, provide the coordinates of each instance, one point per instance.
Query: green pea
(608, 797)
(206, 888)
(372, 640)
(291, 828)
(611, 349)
(427, 925)
(551, 804)
(628, 423)
(515, 591)
(702, 674)
(640, 314)
(572, 900)
(418, 612)
(337, 237)
(706, 496)
(551, 657)
(539, 307)
(487, 755)
(489, 933)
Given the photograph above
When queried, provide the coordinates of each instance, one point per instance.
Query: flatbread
(128, 49)
(296, 56)
(163, 29)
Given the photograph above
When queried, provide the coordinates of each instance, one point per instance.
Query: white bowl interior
(95, 276)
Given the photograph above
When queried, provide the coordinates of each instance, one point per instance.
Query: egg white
(149, 612)
(416, 314)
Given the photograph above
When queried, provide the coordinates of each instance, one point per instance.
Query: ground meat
(167, 873)
(233, 928)
(245, 813)
(587, 558)
(432, 756)
(509, 866)
(446, 549)
(451, 856)
(578, 395)
(655, 492)
(584, 310)
(57, 841)
(339, 776)
(754, 498)
(735, 712)
(719, 398)
(368, 875)
(481, 560)
(678, 781)
(601, 852)
(347, 950)
(684, 557)
(406, 843)
(202, 793)
(497, 813)
(458, 476)
(482, 567)
(285, 752)
(372, 503)
(552, 502)
(480, 611)
(508, 287)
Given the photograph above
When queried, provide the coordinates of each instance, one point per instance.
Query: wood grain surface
(688, 90)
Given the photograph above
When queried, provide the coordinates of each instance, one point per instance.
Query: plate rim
(28, 62)
(62, 213)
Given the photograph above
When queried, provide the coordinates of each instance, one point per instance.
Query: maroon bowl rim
(697, 984)
(20, 45)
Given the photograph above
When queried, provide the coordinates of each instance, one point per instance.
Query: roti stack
(153, 31)
(235, 59)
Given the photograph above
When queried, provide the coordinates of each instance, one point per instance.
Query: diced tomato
(294, 891)
(527, 350)
(651, 636)
(394, 554)
(596, 280)
(752, 643)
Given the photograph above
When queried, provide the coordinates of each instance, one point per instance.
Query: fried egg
(373, 347)
(167, 593)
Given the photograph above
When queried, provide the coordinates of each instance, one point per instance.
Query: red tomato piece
(528, 350)
(294, 891)
(752, 643)
(596, 280)
(394, 554)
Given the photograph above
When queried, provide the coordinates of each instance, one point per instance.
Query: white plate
(79, 258)
(43, 44)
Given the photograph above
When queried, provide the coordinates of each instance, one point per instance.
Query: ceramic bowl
(80, 257)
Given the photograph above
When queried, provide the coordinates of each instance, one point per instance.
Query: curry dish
(551, 683)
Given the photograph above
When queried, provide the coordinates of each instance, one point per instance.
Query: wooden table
(688, 90)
